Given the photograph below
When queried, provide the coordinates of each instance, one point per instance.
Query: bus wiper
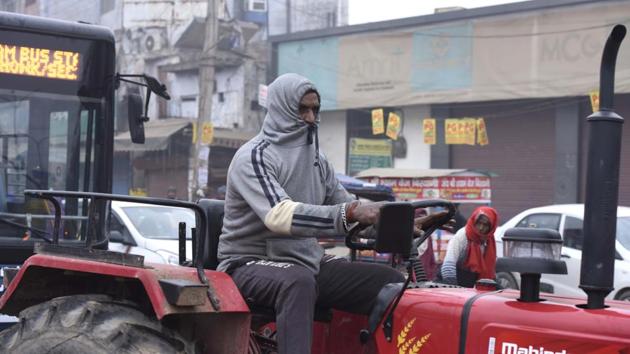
(34, 231)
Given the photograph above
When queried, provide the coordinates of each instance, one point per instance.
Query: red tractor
(74, 296)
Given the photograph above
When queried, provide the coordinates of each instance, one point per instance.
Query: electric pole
(206, 90)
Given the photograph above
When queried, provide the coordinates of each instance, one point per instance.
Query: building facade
(526, 68)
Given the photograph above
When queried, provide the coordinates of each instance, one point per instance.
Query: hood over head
(283, 124)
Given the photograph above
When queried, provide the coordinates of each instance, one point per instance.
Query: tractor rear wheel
(94, 324)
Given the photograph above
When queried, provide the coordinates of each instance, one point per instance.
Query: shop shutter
(521, 152)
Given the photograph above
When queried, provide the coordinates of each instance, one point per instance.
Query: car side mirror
(136, 119)
(121, 237)
(394, 229)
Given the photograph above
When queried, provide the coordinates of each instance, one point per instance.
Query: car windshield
(623, 232)
(160, 222)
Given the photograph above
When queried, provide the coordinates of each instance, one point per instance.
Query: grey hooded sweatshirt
(281, 192)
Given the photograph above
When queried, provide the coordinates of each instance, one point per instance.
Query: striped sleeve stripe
(449, 270)
(259, 175)
(312, 221)
(313, 218)
(311, 226)
(264, 168)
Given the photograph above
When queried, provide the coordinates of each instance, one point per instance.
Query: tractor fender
(43, 277)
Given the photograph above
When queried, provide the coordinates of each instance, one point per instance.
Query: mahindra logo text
(513, 348)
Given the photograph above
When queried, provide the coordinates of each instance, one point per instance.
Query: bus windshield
(55, 105)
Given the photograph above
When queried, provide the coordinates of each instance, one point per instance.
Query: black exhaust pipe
(602, 183)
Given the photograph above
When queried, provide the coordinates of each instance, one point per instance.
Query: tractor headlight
(532, 243)
(531, 252)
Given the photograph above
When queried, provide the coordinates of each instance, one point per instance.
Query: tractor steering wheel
(355, 242)
(434, 203)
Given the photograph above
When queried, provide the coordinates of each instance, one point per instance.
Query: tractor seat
(214, 210)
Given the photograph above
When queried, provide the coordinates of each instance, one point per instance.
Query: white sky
(362, 11)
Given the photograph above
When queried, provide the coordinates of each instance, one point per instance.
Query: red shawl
(475, 261)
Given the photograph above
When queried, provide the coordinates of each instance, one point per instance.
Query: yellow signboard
(138, 192)
(393, 126)
(429, 131)
(39, 62)
(378, 124)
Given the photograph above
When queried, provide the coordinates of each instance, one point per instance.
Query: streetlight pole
(206, 88)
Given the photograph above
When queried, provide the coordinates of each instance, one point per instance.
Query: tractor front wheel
(93, 324)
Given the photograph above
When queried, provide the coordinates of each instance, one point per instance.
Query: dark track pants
(293, 291)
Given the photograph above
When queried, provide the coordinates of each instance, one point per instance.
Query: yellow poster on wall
(470, 130)
(207, 133)
(482, 133)
(594, 100)
(460, 131)
(429, 131)
(393, 126)
(378, 124)
(451, 131)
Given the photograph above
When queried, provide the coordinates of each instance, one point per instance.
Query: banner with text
(368, 153)
(471, 189)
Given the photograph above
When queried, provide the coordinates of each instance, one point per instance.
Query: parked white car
(151, 231)
(567, 220)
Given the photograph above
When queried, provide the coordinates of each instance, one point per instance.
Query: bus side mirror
(136, 118)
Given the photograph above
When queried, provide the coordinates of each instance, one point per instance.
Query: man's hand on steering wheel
(424, 222)
(365, 214)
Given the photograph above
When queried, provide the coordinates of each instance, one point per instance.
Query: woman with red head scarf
(471, 254)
